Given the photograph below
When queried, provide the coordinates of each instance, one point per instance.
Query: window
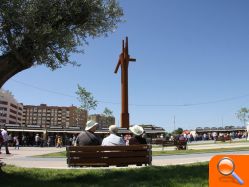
(4, 102)
(13, 111)
(14, 106)
(11, 116)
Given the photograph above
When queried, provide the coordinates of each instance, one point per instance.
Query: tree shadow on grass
(185, 175)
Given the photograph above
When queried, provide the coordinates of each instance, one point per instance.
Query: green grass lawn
(195, 175)
(157, 153)
(220, 142)
(211, 142)
(61, 154)
(199, 151)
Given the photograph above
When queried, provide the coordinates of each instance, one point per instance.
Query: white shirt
(37, 138)
(16, 140)
(113, 139)
(5, 135)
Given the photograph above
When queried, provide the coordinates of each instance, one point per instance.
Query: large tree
(35, 32)
(107, 112)
(86, 99)
(178, 131)
(243, 115)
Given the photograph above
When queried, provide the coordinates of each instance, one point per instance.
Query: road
(23, 157)
(189, 158)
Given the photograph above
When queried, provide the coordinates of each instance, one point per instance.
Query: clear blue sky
(192, 63)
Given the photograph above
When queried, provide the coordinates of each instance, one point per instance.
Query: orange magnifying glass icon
(226, 167)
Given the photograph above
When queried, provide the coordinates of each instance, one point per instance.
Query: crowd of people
(215, 136)
(86, 137)
(89, 137)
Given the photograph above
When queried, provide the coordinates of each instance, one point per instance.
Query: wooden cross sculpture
(124, 59)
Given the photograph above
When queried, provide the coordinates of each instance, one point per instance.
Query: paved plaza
(24, 156)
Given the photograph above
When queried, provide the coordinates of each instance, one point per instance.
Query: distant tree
(87, 101)
(243, 115)
(107, 112)
(36, 32)
(178, 131)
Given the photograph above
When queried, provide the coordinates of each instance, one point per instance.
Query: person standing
(215, 137)
(5, 140)
(74, 140)
(87, 137)
(49, 141)
(37, 140)
(113, 139)
(1, 138)
(24, 140)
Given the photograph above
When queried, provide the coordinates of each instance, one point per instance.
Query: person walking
(59, 142)
(5, 140)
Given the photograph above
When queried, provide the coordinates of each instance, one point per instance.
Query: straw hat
(137, 130)
(113, 129)
(90, 124)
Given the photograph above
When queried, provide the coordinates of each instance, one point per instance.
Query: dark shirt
(137, 140)
(88, 138)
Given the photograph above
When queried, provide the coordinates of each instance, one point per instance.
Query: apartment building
(54, 116)
(10, 110)
(104, 121)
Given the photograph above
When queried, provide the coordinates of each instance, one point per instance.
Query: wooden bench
(163, 143)
(180, 145)
(109, 155)
(224, 138)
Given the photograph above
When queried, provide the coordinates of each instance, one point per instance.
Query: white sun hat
(113, 129)
(90, 124)
(137, 130)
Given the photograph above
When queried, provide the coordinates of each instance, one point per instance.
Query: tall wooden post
(124, 59)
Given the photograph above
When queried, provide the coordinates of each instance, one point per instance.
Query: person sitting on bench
(138, 133)
(88, 137)
(113, 139)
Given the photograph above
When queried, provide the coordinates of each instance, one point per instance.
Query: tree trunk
(10, 66)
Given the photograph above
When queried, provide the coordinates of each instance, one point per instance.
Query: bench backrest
(163, 142)
(169, 143)
(109, 155)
